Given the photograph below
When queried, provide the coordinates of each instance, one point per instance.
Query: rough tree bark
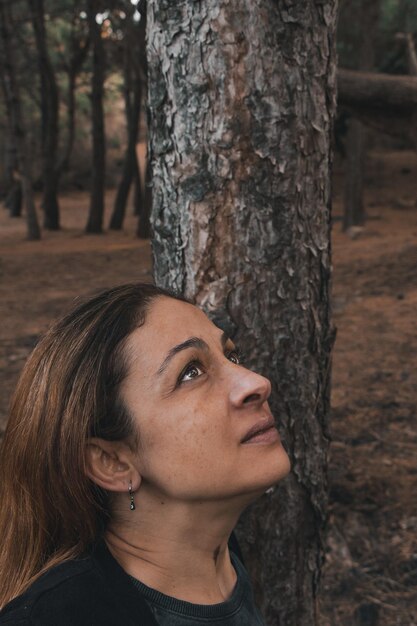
(98, 166)
(8, 71)
(50, 119)
(241, 99)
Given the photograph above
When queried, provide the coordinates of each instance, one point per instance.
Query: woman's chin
(271, 475)
(272, 465)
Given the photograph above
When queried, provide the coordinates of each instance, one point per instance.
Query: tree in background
(53, 41)
(386, 98)
(51, 45)
(144, 226)
(354, 212)
(73, 46)
(11, 91)
(49, 98)
(98, 164)
(241, 100)
(134, 72)
(13, 197)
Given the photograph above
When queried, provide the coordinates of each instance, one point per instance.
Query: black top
(90, 591)
(238, 610)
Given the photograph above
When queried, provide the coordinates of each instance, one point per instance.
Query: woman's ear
(110, 465)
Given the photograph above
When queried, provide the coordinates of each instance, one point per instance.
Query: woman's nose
(249, 388)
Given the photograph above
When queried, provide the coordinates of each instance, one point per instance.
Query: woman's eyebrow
(191, 342)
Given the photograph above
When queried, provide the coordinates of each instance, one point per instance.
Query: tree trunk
(78, 56)
(241, 98)
(128, 176)
(410, 50)
(13, 195)
(8, 72)
(144, 227)
(98, 167)
(356, 144)
(13, 201)
(138, 196)
(33, 230)
(354, 214)
(72, 82)
(50, 121)
(130, 173)
(411, 55)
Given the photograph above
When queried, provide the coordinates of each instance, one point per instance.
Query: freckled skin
(190, 432)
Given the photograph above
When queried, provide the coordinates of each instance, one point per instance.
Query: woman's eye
(235, 357)
(193, 370)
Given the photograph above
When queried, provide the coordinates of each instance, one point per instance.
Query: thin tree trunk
(13, 198)
(72, 82)
(354, 214)
(241, 107)
(78, 56)
(8, 70)
(71, 107)
(33, 230)
(50, 121)
(133, 97)
(138, 194)
(411, 54)
(135, 79)
(98, 167)
(356, 144)
(13, 201)
(144, 226)
(129, 175)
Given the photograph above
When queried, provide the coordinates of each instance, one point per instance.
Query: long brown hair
(68, 391)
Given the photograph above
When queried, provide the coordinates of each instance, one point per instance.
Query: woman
(135, 440)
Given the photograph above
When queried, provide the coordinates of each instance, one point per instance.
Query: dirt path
(371, 572)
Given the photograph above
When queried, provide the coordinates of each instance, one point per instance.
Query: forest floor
(370, 575)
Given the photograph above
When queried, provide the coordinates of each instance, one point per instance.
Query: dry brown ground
(371, 572)
(370, 577)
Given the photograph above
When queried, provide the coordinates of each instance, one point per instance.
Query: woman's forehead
(168, 323)
(171, 316)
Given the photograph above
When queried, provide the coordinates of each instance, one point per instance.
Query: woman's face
(197, 409)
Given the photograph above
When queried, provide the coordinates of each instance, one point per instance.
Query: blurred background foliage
(51, 50)
(391, 17)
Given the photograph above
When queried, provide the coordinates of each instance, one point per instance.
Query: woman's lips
(266, 436)
(263, 432)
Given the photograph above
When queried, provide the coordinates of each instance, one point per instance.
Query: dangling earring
(132, 502)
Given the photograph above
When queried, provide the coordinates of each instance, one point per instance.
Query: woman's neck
(180, 550)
